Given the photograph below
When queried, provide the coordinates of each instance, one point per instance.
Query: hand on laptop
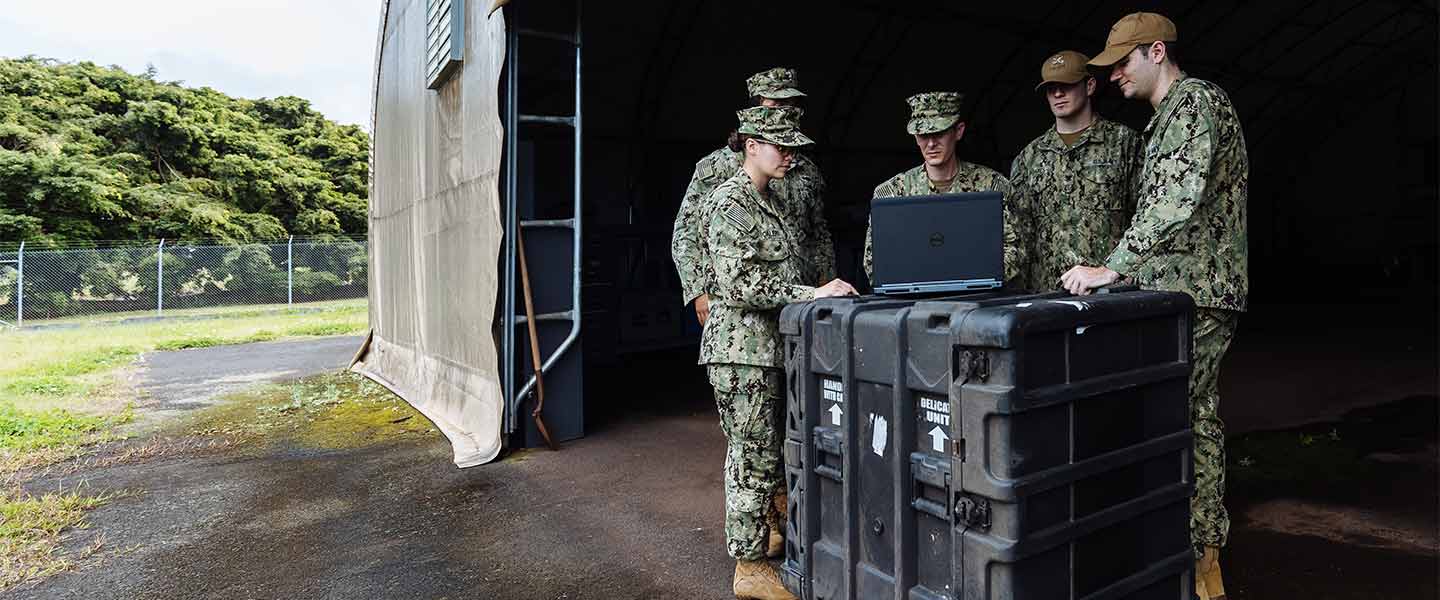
(1080, 279)
(836, 287)
(702, 308)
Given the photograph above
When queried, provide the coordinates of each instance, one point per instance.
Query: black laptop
(938, 243)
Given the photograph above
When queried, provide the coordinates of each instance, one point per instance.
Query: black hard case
(1044, 447)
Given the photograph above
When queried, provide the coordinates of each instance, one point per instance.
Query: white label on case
(881, 436)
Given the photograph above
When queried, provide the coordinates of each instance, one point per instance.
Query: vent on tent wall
(444, 40)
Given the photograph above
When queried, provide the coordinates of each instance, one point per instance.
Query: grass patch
(203, 341)
(31, 528)
(31, 430)
(321, 329)
(41, 385)
(261, 336)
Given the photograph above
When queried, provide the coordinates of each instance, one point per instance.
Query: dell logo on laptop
(937, 239)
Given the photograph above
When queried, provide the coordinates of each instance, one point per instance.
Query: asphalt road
(184, 380)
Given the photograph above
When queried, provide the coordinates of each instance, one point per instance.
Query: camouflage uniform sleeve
(750, 269)
(824, 251)
(1132, 153)
(1016, 253)
(887, 189)
(692, 260)
(1019, 224)
(1170, 190)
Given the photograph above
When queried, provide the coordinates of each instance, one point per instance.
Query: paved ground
(184, 380)
(632, 511)
(1292, 365)
(630, 514)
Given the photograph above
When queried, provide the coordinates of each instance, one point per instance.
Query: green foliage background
(93, 153)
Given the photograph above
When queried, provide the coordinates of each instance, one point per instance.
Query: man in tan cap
(805, 214)
(935, 123)
(1077, 180)
(1189, 235)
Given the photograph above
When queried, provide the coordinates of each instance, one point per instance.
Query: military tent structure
(578, 123)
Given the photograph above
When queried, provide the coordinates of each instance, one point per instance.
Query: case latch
(972, 365)
(973, 512)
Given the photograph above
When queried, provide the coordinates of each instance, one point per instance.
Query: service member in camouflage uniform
(1077, 180)
(805, 214)
(803, 210)
(758, 268)
(1188, 236)
(935, 123)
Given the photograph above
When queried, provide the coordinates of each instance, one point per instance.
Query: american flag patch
(739, 217)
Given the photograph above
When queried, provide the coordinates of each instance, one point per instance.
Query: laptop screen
(936, 239)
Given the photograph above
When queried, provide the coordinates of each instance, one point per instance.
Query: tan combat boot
(1208, 583)
(757, 580)
(775, 544)
(775, 520)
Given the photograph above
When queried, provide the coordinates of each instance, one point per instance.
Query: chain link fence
(55, 282)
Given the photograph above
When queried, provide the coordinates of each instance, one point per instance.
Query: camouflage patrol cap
(1066, 66)
(1134, 29)
(777, 84)
(933, 112)
(779, 125)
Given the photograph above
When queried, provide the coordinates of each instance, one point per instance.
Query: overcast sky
(321, 50)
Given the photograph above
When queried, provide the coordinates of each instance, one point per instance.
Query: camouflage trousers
(747, 397)
(1209, 521)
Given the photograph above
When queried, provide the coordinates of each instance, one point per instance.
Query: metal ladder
(513, 121)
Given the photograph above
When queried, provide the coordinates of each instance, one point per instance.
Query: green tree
(95, 153)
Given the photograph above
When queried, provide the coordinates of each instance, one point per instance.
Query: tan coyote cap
(1066, 66)
(1134, 29)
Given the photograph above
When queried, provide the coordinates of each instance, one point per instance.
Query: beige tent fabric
(435, 229)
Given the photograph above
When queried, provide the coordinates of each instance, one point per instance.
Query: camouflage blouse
(1189, 232)
(1078, 198)
(757, 271)
(804, 210)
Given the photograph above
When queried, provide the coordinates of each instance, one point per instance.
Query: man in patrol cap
(1077, 179)
(801, 204)
(1188, 235)
(935, 123)
(757, 269)
(804, 211)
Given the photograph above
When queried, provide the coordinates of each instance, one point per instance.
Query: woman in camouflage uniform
(757, 270)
